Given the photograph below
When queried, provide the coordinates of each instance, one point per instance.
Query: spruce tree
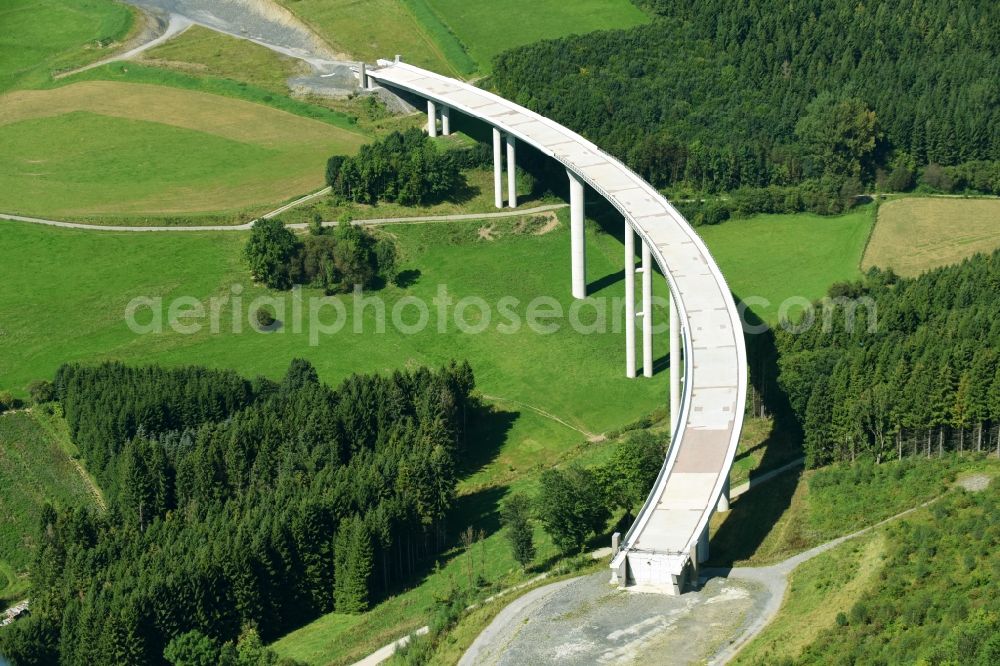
(515, 517)
(353, 566)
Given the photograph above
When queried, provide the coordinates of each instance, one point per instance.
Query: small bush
(936, 178)
(41, 391)
(265, 319)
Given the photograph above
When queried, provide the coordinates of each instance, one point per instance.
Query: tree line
(922, 379)
(238, 507)
(403, 167)
(336, 260)
(832, 96)
(574, 503)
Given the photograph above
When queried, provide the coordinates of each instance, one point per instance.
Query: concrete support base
(445, 121)
(578, 248)
(629, 301)
(511, 172)
(497, 170)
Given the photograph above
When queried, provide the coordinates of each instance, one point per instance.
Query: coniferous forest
(238, 505)
(825, 98)
(921, 378)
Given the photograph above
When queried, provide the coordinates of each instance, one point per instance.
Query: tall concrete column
(675, 362)
(723, 504)
(432, 125)
(445, 120)
(647, 311)
(497, 170)
(629, 301)
(511, 172)
(578, 248)
(363, 70)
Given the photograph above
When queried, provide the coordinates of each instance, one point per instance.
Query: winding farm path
(156, 31)
(418, 219)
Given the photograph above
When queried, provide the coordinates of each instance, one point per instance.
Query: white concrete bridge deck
(666, 534)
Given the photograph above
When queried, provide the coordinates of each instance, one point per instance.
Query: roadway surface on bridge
(712, 402)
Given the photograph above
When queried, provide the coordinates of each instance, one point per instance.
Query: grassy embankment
(200, 51)
(827, 610)
(452, 37)
(915, 234)
(487, 29)
(800, 510)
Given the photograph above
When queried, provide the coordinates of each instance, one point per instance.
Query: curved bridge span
(670, 535)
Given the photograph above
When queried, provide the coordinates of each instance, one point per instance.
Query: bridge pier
(578, 248)
(723, 504)
(629, 301)
(647, 311)
(511, 172)
(703, 547)
(445, 121)
(497, 170)
(432, 125)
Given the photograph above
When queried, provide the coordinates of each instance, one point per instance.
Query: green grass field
(108, 148)
(486, 29)
(77, 313)
(777, 257)
(915, 234)
(35, 468)
(40, 37)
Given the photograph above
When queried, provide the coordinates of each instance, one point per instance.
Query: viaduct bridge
(708, 368)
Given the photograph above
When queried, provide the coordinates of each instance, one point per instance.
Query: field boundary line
(871, 234)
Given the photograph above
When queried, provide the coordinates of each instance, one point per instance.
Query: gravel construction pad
(587, 620)
(270, 25)
(263, 22)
